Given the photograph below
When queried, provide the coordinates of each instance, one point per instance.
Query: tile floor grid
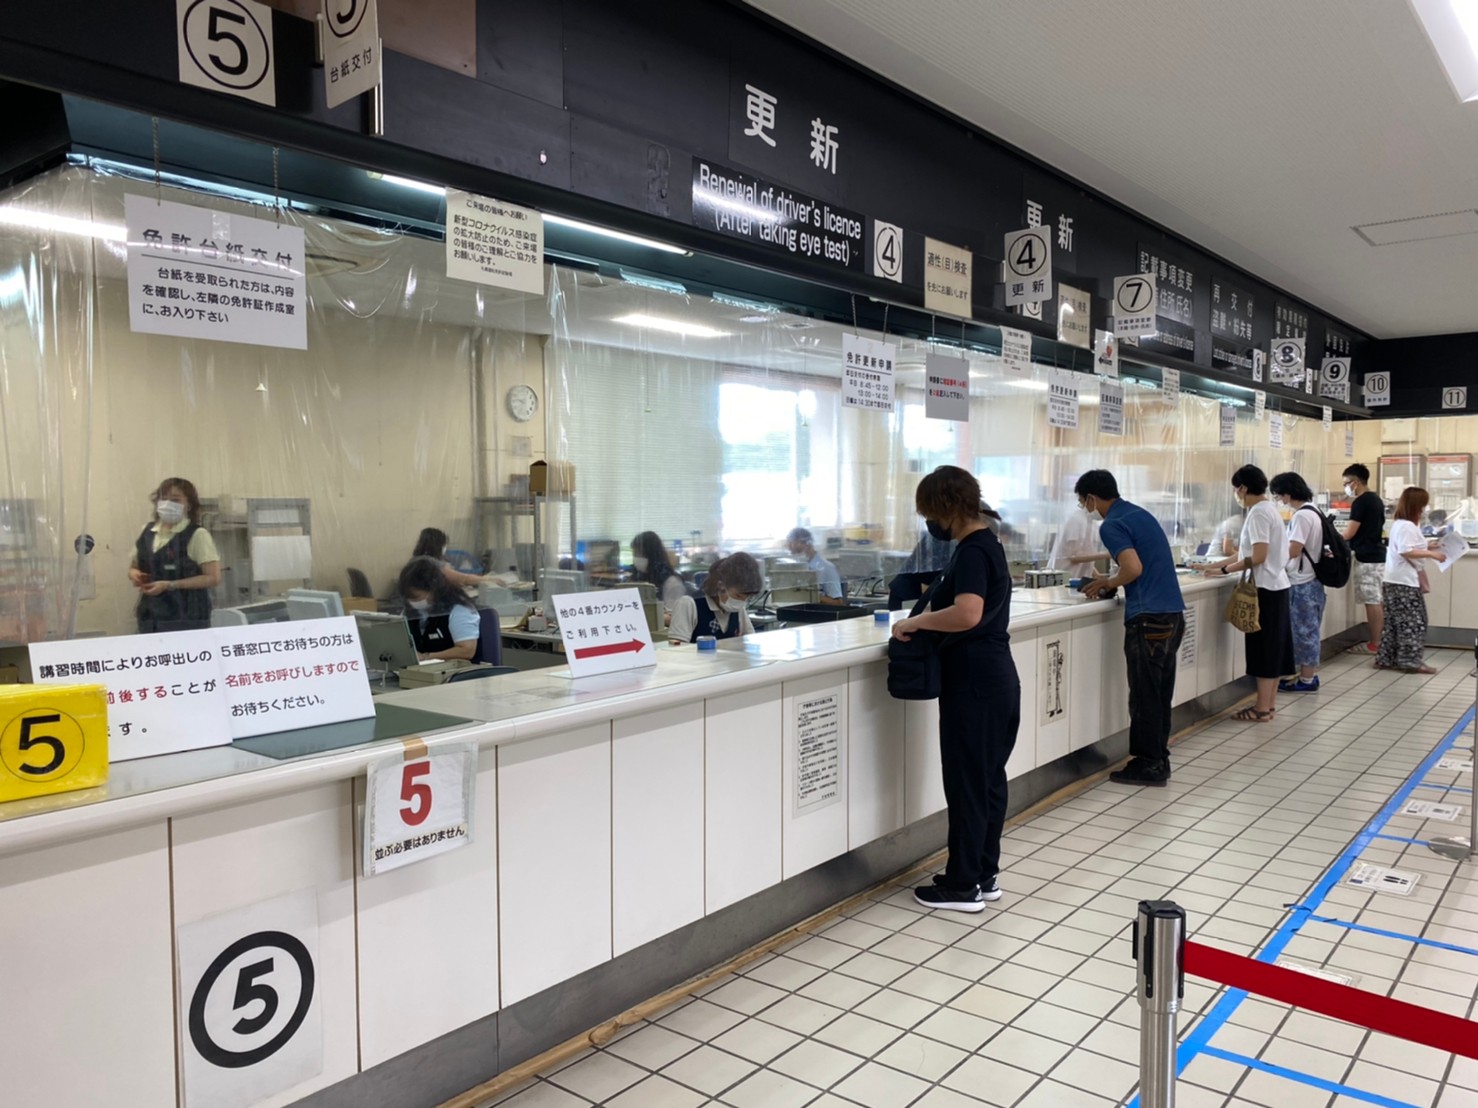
(1030, 1003)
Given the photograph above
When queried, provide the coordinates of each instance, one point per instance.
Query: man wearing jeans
(1154, 620)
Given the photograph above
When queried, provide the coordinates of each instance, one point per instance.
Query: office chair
(489, 637)
(476, 674)
(359, 584)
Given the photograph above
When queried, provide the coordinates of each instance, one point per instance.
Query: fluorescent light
(1025, 383)
(671, 326)
(62, 224)
(407, 183)
(1452, 27)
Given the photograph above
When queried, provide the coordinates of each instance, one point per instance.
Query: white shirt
(1405, 536)
(828, 577)
(1264, 524)
(1076, 538)
(1228, 528)
(672, 592)
(685, 620)
(1305, 527)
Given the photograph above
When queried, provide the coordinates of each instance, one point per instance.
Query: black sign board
(1289, 321)
(747, 207)
(1176, 312)
(1233, 314)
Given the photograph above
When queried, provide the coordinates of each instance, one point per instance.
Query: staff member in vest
(722, 610)
(175, 563)
(980, 693)
(801, 544)
(444, 622)
(431, 543)
(658, 568)
(1306, 593)
(1154, 621)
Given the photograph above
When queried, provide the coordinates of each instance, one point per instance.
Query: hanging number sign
(226, 46)
(1134, 304)
(1028, 270)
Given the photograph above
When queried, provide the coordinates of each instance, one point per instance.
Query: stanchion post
(1159, 955)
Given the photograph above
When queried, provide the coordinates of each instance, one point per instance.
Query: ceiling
(1264, 130)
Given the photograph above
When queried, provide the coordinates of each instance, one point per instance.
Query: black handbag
(913, 666)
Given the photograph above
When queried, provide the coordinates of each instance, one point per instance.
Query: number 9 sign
(53, 738)
(226, 45)
(417, 804)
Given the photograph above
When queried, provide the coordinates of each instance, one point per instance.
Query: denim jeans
(1151, 648)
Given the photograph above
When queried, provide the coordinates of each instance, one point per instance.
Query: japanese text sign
(604, 631)
(204, 274)
(1334, 379)
(1228, 431)
(947, 279)
(494, 243)
(418, 803)
(1062, 398)
(946, 388)
(285, 676)
(1275, 430)
(1016, 352)
(867, 373)
(1378, 389)
(1170, 385)
(351, 49)
(1110, 408)
(1028, 267)
(1288, 361)
(1134, 304)
(1074, 316)
(1259, 404)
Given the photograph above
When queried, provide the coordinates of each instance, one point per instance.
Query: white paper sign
(418, 803)
(818, 752)
(251, 1023)
(1028, 268)
(286, 676)
(1110, 409)
(887, 250)
(1062, 398)
(1016, 352)
(1453, 547)
(1170, 383)
(1288, 362)
(1382, 880)
(1259, 364)
(1228, 432)
(1425, 809)
(1377, 390)
(1134, 304)
(1334, 379)
(1455, 397)
(1188, 645)
(204, 274)
(1106, 354)
(1275, 430)
(226, 46)
(1074, 317)
(1455, 764)
(1350, 441)
(1259, 404)
(1328, 418)
(351, 48)
(947, 388)
(604, 631)
(948, 284)
(494, 243)
(166, 692)
(1053, 678)
(867, 373)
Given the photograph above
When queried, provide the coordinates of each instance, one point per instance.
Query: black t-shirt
(1369, 511)
(979, 567)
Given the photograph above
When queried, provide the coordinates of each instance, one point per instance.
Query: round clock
(523, 402)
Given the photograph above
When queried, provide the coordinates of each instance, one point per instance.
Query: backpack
(1332, 570)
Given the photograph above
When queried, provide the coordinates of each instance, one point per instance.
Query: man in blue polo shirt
(1154, 620)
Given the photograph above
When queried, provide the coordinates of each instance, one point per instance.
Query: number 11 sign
(417, 804)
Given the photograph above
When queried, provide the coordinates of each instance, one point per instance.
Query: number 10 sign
(417, 804)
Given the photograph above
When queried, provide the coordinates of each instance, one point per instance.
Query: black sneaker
(991, 891)
(1140, 772)
(958, 900)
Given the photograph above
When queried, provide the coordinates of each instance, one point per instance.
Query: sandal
(1252, 715)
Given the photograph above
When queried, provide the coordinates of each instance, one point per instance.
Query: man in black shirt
(1363, 532)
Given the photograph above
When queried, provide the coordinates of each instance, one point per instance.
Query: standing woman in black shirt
(980, 693)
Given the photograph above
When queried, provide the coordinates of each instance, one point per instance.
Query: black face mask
(937, 531)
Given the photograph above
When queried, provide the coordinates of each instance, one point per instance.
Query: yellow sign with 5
(53, 738)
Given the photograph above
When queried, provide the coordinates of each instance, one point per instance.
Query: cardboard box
(546, 478)
(361, 604)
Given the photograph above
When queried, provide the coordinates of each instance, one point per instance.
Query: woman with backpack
(1306, 591)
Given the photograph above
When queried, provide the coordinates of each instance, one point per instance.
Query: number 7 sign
(417, 804)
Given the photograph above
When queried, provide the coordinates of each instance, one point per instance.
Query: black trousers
(979, 715)
(1151, 649)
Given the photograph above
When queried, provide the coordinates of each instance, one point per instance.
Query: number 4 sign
(417, 804)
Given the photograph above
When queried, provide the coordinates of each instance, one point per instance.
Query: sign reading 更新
(743, 206)
(1027, 271)
(494, 243)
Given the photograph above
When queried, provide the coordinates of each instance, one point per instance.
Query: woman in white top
(1224, 539)
(1306, 592)
(1264, 550)
(722, 610)
(1404, 635)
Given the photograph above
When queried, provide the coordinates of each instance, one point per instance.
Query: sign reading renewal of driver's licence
(604, 631)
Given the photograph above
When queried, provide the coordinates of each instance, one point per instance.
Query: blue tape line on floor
(1390, 934)
(1400, 839)
(1307, 1079)
(1199, 1039)
(1446, 788)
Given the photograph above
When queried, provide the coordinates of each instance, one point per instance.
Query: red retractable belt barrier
(1391, 1017)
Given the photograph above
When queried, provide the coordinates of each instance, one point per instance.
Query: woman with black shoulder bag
(979, 691)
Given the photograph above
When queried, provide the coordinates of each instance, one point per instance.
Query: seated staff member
(444, 623)
(175, 563)
(432, 544)
(1077, 544)
(1225, 538)
(722, 610)
(658, 568)
(801, 544)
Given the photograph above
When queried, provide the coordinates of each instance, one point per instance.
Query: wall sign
(352, 62)
(1170, 385)
(1175, 302)
(1074, 317)
(887, 251)
(1233, 314)
(1134, 305)
(252, 1023)
(1288, 362)
(818, 753)
(286, 676)
(1328, 418)
(1028, 266)
(1259, 404)
(1052, 668)
(946, 388)
(1289, 321)
(418, 803)
(1188, 644)
(1062, 398)
(947, 278)
(1455, 397)
(494, 243)
(743, 206)
(867, 373)
(226, 46)
(1275, 430)
(1105, 354)
(1350, 441)
(1378, 390)
(604, 631)
(1334, 379)
(1110, 408)
(1227, 433)
(1016, 352)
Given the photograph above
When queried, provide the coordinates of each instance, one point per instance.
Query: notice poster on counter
(946, 388)
(198, 273)
(1074, 316)
(1105, 354)
(1170, 383)
(867, 373)
(818, 752)
(286, 676)
(494, 243)
(1016, 352)
(1062, 398)
(1275, 430)
(947, 279)
(1259, 404)
(1228, 432)
(418, 803)
(1110, 409)
(1187, 656)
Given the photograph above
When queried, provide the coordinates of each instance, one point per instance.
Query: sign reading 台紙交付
(286, 676)
(1062, 398)
(417, 804)
(867, 373)
(1016, 352)
(1105, 354)
(1228, 432)
(204, 274)
(494, 243)
(1275, 430)
(351, 49)
(947, 278)
(946, 388)
(605, 631)
(1074, 316)
(1027, 270)
(1110, 408)
(1170, 385)
(166, 693)
(226, 46)
(1134, 304)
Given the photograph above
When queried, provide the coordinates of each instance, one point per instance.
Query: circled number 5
(216, 34)
(416, 794)
(28, 740)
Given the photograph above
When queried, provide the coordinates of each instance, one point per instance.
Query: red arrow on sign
(635, 646)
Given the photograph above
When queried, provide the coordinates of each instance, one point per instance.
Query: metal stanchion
(1455, 846)
(1159, 954)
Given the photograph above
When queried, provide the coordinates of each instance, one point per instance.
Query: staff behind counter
(722, 610)
(444, 622)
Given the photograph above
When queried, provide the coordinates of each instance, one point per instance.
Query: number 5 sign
(226, 46)
(417, 804)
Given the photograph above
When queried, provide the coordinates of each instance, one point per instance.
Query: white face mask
(169, 511)
(641, 564)
(420, 605)
(734, 605)
(1349, 491)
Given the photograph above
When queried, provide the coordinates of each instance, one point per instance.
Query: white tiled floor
(1029, 1005)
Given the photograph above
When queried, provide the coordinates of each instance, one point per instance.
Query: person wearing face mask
(658, 568)
(979, 690)
(929, 557)
(1263, 548)
(1078, 544)
(801, 544)
(1154, 621)
(175, 563)
(431, 543)
(1306, 594)
(1363, 533)
(723, 609)
(1404, 633)
(444, 623)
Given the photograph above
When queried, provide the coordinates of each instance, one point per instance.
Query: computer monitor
(265, 611)
(386, 642)
(558, 581)
(314, 604)
(602, 555)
